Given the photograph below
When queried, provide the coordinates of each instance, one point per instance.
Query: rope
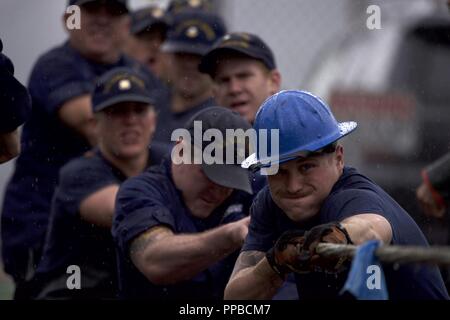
(439, 255)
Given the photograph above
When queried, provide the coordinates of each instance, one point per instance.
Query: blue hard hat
(305, 125)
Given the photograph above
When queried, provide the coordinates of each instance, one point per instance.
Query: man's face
(200, 194)
(301, 185)
(183, 75)
(125, 129)
(104, 29)
(144, 47)
(242, 84)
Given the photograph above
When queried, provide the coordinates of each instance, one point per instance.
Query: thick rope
(439, 255)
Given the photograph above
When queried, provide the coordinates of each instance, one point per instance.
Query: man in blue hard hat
(313, 197)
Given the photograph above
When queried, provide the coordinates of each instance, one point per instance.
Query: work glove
(332, 232)
(284, 256)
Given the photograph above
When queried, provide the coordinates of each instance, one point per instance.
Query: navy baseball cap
(193, 31)
(247, 44)
(121, 3)
(147, 18)
(120, 85)
(220, 118)
(177, 6)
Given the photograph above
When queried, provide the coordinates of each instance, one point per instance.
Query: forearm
(364, 227)
(180, 257)
(77, 115)
(98, 208)
(259, 282)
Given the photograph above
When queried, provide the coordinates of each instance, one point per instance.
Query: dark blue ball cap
(193, 31)
(121, 3)
(120, 85)
(177, 6)
(243, 43)
(145, 19)
(223, 119)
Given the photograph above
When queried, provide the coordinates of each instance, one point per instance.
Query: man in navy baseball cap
(243, 68)
(148, 31)
(195, 214)
(190, 36)
(83, 204)
(15, 106)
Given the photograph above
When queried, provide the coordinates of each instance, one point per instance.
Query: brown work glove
(332, 232)
(284, 257)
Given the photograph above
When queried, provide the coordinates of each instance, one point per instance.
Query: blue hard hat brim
(252, 162)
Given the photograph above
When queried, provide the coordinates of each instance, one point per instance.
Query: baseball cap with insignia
(193, 31)
(120, 85)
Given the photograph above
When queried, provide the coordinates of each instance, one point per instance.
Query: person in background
(15, 107)
(190, 36)
(60, 127)
(244, 71)
(148, 31)
(83, 203)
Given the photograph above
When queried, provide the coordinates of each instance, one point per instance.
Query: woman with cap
(79, 236)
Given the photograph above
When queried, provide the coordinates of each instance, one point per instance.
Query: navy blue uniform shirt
(73, 241)
(169, 121)
(352, 194)
(152, 199)
(47, 144)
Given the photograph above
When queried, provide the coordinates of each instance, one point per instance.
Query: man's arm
(9, 145)
(165, 258)
(252, 278)
(98, 208)
(368, 226)
(77, 115)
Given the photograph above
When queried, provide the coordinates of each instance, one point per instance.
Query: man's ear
(340, 155)
(275, 81)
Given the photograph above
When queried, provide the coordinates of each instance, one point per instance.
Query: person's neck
(129, 167)
(181, 103)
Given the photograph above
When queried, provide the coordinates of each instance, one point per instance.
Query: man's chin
(298, 214)
(130, 152)
(203, 210)
(245, 111)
